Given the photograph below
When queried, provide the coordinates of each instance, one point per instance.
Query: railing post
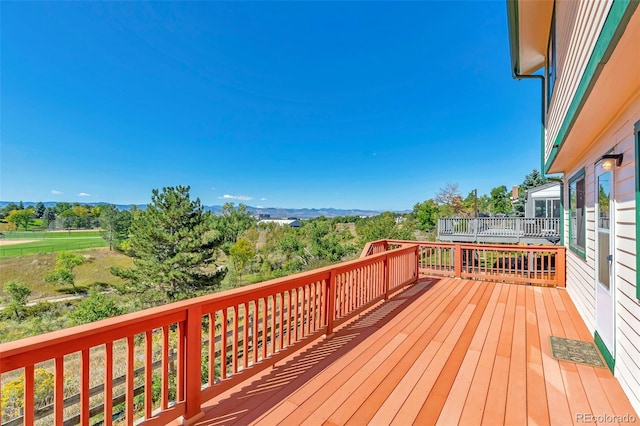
(561, 267)
(331, 302)
(457, 261)
(386, 278)
(417, 262)
(193, 412)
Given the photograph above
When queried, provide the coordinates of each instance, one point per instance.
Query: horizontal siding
(581, 273)
(578, 25)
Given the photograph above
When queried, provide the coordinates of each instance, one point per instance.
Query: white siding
(578, 25)
(581, 272)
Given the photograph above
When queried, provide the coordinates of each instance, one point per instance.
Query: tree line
(448, 202)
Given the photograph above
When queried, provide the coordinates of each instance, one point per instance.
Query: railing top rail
(72, 339)
(513, 247)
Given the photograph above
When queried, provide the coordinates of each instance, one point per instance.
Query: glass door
(605, 301)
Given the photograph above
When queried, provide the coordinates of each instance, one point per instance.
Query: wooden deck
(444, 351)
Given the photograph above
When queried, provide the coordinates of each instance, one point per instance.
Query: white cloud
(54, 192)
(263, 199)
(83, 194)
(235, 197)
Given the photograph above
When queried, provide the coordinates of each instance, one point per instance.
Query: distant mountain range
(274, 212)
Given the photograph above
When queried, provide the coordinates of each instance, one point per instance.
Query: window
(547, 208)
(551, 61)
(577, 213)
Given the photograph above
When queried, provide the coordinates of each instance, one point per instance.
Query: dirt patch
(12, 242)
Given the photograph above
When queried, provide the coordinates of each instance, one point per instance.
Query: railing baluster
(255, 331)
(164, 404)
(265, 314)
(236, 337)
(58, 395)
(28, 394)
(108, 384)
(223, 345)
(129, 384)
(148, 373)
(212, 348)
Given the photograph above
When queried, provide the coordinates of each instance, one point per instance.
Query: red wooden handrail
(539, 265)
(299, 309)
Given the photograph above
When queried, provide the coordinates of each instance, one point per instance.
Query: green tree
(500, 201)
(39, 209)
(18, 293)
(240, 253)
(381, 227)
(173, 248)
(63, 271)
(532, 180)
(232, 223)
(11, 206)
(426, 214)
(48, 216)
(95, 307)
(21, 218)
(114, 224)
(326, 244)
(66, 219)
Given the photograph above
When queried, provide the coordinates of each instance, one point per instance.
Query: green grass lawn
(48, 235)
(50, 242)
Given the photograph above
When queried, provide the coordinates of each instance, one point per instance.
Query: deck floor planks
(390, 373)
(495, 406)
(333, 375)
(597, 392)
(452, 409)
(556, 395)
(516, 404)
(403, 391)
(432, 358)
(365, 410)
(537, 407)
(310, 404)
(474, 408)
(440, 392)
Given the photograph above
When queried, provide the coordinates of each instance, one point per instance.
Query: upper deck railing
(218, 340)
(500, 230)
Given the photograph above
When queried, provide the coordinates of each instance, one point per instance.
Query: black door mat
(576, 351)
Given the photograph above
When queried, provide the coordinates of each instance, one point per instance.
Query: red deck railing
(217, 341)
(538, 265)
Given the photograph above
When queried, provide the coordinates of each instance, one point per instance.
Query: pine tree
(532, 180)
(172, 246)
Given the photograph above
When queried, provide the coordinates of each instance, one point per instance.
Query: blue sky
(288, 104)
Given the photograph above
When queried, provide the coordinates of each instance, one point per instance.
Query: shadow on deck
(443, 351)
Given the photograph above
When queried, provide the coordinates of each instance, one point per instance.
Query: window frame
(573, 246)
(636, 132)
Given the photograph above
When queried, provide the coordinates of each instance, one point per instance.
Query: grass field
(31, 269)
(50, 242)
(48, 235)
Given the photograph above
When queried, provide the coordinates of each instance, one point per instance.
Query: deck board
(444, 351)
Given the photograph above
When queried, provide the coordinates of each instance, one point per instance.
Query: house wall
(578, 25)
(581, 277)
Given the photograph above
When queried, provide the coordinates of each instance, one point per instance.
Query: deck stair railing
(219, 340)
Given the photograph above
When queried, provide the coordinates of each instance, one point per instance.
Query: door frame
(606, 344)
